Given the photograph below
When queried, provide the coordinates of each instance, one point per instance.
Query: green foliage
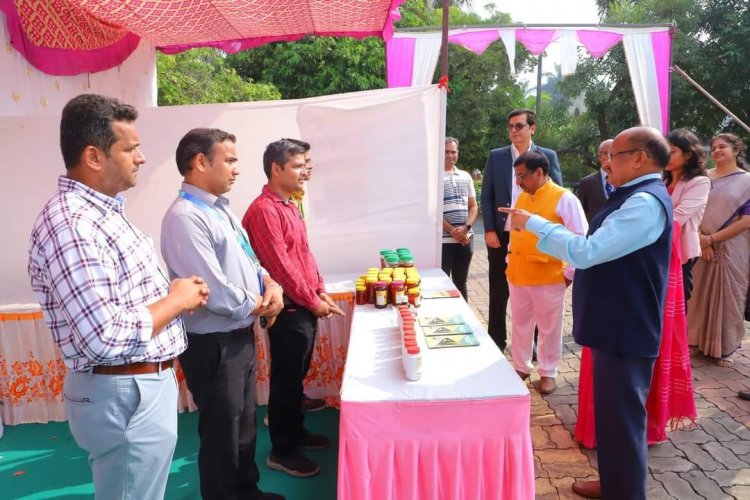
(315, 66)
(710, 44)
(201, 76)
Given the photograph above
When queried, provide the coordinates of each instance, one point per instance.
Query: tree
(201, 76)
(710, 44)
(315, 66)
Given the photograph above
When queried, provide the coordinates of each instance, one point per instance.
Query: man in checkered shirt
(111, 310)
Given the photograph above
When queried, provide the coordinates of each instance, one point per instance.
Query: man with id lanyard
(200, 234)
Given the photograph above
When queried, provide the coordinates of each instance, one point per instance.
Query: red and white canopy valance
(68, 37)
(412, 56)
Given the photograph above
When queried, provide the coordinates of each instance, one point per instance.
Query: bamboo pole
(711, 98)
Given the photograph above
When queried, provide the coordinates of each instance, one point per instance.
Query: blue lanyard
(238, 235)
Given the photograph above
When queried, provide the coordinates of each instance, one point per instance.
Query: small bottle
(381, 294)
(383, 253)
(406, 260)
(399, 292)
(413, 363)
(415, 296)
(370, 289)
(360, 295)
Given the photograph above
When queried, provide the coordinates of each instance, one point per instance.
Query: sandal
(725, 362)
(694, 351)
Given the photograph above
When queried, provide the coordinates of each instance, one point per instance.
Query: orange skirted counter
(32, 370)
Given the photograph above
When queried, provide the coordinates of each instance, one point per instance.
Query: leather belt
(134, 368)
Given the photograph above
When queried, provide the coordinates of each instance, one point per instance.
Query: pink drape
(475, 41)
(535, 40)
(477, 449)
(597, 43)
(62, 62)
(399, 54)
(662, 44)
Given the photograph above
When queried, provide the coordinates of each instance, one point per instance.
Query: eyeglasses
(611, 155)
(516, 126)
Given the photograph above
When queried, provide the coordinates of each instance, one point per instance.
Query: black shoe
(295, 464)
(314, 442)
(271, 496)
(311, 405)
(744, 395)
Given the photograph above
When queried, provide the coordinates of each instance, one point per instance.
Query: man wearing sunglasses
(500, 190)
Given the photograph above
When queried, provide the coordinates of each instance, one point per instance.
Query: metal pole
(444, 46)
(672, 33)
(539, 85)
(711, 98)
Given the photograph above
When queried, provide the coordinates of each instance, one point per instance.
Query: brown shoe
(547, 385)
(523, 375)
(588, 489)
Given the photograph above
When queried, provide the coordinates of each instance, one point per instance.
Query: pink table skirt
(456, 450)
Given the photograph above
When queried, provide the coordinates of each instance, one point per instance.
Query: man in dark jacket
(500, 190)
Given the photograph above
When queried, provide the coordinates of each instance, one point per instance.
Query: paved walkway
(710, 461)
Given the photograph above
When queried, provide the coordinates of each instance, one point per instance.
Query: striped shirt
(458, 187)
(95, 274)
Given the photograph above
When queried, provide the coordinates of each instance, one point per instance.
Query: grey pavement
(710, 460)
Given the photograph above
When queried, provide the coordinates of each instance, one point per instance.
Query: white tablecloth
(461, 432)
(374, 369)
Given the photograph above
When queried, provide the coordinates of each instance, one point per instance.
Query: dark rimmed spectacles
(611, 155)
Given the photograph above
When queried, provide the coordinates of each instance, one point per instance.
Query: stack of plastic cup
(411, 355)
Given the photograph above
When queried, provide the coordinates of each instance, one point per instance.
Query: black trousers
(220, 373)
(498, 292)
(292, 337)
(621, 385)
(455, 263)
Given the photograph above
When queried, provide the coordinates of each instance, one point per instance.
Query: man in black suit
(592, 189)
(500, 190)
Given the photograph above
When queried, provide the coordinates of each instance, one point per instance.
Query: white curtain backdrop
(639, 53)
(568, 52)
(426, 54)
(509, 40)
(376, 182)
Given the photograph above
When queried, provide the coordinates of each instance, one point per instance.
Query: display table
(460, 432)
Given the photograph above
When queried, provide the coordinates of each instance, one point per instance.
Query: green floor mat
(43, 461)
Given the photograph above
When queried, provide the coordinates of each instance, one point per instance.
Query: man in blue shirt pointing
(621, 277)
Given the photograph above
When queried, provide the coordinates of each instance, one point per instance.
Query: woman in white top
(688, 184)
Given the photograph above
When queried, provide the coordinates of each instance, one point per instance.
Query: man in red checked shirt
(278, 235)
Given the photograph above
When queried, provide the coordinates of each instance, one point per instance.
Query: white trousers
(540, 305)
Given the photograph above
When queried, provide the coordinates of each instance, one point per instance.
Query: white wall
(375, 183)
